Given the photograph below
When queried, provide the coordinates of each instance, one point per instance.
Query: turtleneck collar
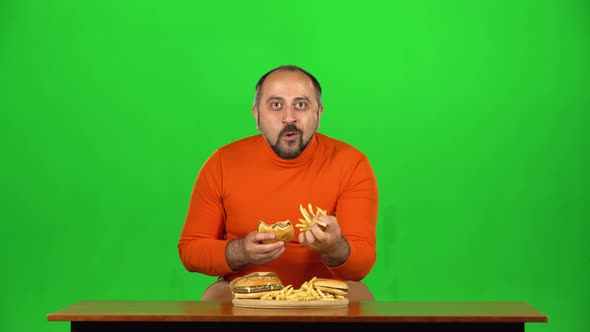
(302, 159)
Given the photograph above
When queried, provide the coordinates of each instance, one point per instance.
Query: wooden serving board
(284, 304)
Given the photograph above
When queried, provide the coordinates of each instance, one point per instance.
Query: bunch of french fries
(309, 217)
(307, 292)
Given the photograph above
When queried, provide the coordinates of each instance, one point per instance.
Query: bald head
(316, 85)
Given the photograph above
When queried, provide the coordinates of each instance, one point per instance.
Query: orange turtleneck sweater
(245, 181)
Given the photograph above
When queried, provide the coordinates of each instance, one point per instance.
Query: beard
(285, 149)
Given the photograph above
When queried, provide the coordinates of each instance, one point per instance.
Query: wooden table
(362, 316)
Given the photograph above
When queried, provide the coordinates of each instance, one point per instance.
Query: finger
(309, 237)
(269, 248)
(302, 238)
(326, 219)
(259, 237)
(323, 218)
(318, 233)
(278, 254)
(262, 258)
(255, 248)
(306, 238)
(321, 221)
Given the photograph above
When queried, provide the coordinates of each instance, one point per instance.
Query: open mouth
(290, 135)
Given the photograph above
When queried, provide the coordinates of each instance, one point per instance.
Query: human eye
(275, 105)
(301, 105)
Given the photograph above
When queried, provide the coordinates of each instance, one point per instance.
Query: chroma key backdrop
(474, 115)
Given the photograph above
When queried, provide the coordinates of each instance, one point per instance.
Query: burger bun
(331, 286)
(283, 231)
(255, 285)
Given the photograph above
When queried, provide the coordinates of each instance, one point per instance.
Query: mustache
(290, 128)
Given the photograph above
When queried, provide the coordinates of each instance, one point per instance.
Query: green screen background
(474, 115)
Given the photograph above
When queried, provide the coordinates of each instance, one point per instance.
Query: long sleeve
(356, 212)
(202, 242)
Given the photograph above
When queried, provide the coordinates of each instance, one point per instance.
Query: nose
(289, 115)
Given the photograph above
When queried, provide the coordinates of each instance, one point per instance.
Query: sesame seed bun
(255, 285)
(257, 281)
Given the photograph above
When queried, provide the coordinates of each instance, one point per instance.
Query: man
(267, 177)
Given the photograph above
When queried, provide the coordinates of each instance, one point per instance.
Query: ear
(255, 114)
(320, 111)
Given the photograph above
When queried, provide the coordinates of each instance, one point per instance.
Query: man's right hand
(251, 250)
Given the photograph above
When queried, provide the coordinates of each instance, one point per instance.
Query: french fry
(309, 217)
(307, 292)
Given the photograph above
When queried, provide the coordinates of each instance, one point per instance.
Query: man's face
(288, 113)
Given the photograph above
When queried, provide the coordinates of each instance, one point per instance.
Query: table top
(373, 312)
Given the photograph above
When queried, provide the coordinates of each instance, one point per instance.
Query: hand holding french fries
(326, 238)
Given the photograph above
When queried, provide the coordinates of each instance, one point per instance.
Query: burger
(283, 231)
(335, 287)
(255, 285)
